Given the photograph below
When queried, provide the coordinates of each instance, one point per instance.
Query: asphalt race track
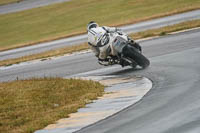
(172, 105)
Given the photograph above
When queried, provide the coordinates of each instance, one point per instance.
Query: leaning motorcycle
(124, 51)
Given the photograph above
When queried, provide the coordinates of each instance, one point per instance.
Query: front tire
(134, 54)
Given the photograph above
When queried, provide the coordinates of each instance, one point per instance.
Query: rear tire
(134, 54)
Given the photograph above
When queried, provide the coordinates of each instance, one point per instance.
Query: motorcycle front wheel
(134, 54)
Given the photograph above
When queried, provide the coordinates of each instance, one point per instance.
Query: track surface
(173, 104)
(151, 24)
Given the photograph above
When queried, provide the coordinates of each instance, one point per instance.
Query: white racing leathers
(101, 38)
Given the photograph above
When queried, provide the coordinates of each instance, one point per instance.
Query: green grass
(28, 105)
(69, 18)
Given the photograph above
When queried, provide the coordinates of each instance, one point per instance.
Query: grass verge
(166, 30)
(45, 55)
(70, 18)
(70, 49)
(29, 105)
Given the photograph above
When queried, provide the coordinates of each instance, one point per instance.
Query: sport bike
(124, 51)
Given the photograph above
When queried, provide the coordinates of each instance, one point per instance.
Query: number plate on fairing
(119, 44)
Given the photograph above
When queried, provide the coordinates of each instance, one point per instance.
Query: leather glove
(119, 31)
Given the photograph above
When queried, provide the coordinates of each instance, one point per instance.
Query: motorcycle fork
(128, 60)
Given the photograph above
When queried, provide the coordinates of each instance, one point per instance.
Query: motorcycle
(124, 51)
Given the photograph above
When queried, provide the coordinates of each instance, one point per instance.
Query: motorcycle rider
(98, 39)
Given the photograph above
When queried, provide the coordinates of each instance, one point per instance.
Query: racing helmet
(92, 24)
